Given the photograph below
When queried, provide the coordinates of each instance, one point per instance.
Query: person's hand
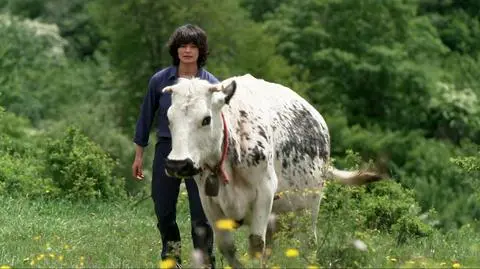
(137, 169)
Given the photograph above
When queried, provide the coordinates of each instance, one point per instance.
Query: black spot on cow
(305, 136)
(232, 151)
(260, 144)
(256, 155)
(262, 132)
(243, 113)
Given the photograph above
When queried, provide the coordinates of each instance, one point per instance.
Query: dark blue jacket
(156, 101)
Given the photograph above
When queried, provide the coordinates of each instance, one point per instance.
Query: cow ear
(227, 90)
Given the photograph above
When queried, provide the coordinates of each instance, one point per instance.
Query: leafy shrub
(24, 177)
(81, 169)
(98, 121)
(420, 164)
(21, 171)
(379, 206)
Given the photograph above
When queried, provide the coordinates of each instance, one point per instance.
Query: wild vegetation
(397, 82)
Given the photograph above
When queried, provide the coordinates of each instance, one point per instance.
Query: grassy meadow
(61, 234)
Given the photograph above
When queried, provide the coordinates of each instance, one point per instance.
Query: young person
(188, 48)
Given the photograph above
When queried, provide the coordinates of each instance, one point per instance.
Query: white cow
(246, 140)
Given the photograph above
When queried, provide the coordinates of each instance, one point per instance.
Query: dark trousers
(165, 192)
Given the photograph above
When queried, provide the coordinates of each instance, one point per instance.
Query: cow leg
(315, 211)
(272, 225)
(262, 208)
(223, 238)
(226, 245)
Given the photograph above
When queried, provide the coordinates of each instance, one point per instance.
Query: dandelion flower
(60, 258)
(51, 255)
(167, 263)
(40, 257)
(226, 224)
(456, 265)
(291, 252)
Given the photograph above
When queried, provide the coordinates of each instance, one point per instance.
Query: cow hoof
(256, 246)
(212, 186)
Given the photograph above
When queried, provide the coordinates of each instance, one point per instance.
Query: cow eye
(206, 120)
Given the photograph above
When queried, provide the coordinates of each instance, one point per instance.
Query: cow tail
(355, 178)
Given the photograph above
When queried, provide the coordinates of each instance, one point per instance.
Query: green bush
(24, 177)
(384, 206)
(352, 214)
(21, 169)
(419, 164)
(81, 169)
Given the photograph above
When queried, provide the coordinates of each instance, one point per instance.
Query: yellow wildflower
(226, 224)
(5, 267)
(36, 238)
(40, 257)
(51, 255)
(167, 263)
(60, 258)
(291, 252)
(456, 265)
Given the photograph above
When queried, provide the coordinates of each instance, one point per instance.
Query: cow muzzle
(181, 168)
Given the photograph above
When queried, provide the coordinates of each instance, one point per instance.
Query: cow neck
(220, 169)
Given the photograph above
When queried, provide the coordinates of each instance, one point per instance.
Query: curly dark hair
(186, 34)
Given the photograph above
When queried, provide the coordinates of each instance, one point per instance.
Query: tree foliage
(137, 33)
(397, 82)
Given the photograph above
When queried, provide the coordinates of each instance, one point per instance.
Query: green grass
(122, 234)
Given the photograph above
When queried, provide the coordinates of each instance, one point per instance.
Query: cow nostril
(176, 165)
(181, 167)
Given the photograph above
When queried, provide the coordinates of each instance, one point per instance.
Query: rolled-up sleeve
(147, 114)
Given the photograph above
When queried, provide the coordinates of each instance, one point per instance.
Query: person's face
(188, 53)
